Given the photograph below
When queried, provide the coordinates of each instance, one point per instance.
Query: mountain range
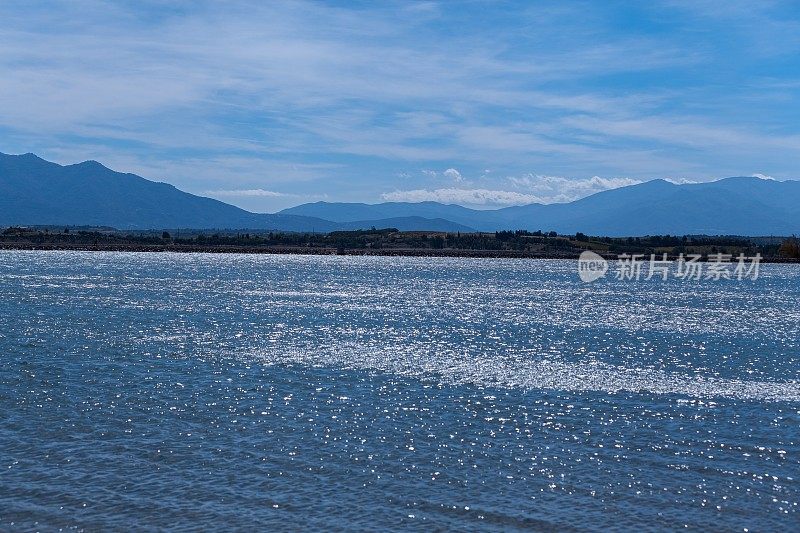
(731, 206)
(38, 192)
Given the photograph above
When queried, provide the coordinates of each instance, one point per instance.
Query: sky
(266, 105)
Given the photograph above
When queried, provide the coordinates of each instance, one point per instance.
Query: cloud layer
(247, 192)
(553, 189)
(529, 189)
(476, 197)
(352, 101)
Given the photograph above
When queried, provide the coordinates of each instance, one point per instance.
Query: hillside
(731, 206)
(37, 192)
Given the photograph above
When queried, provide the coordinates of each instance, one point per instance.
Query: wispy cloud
(249, 192)
(320, 98)
(552, 189)
(475, 197)
(529, 188)
(453, 174)
(680, 181)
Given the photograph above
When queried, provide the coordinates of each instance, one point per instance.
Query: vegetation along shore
(389, 241)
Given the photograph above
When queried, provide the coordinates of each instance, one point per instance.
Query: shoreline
(305, 250)
(284, 250)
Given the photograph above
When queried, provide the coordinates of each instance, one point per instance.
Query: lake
(223, 391)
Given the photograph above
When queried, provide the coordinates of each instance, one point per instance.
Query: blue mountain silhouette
(38, 192)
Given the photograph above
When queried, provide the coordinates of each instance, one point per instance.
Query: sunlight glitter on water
(168, 390)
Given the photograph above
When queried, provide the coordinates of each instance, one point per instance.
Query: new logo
(591, 266)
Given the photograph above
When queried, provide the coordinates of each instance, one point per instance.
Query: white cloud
(763, 176)
(483, 197)
(453, 174)
(681, 181)
(552, 189)
(531, 188)
(261, 200)
(248, 192)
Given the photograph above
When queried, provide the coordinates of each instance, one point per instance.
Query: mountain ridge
(737, 205)
(34, 191)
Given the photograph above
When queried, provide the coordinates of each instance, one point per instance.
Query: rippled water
(237, 391)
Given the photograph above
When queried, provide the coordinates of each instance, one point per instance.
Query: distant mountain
(35, 191)
(732, 206)
(351, 212)
(411, 223)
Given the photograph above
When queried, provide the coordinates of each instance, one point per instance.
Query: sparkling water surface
(230, 392)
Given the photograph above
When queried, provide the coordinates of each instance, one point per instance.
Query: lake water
(237, 391)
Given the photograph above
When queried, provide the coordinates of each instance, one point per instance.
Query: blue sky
(267, 105)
